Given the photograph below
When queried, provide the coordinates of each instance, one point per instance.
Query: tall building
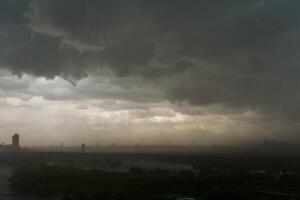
(83, 148)
(15, 141)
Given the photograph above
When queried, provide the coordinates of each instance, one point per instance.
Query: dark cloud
(241, 54)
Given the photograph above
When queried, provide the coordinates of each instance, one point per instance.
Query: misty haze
(151, 100)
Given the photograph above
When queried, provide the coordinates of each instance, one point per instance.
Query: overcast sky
(172, 72)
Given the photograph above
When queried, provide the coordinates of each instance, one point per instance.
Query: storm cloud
(242, 55)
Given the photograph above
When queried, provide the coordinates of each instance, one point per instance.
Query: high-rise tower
(15, 141)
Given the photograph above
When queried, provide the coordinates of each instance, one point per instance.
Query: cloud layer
(242, 55)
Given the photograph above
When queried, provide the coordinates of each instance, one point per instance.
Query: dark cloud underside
(236, 53)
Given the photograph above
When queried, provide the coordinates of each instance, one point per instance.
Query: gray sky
(195, 72)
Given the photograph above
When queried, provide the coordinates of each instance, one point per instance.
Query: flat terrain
(243, 175)
(279, 162)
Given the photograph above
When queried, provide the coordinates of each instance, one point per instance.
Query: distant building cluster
(14, 146)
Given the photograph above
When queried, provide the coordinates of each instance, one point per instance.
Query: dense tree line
(68, 183)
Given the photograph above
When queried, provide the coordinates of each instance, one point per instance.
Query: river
(5, 192)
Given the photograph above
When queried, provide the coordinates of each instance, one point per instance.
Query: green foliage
(70, 183)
